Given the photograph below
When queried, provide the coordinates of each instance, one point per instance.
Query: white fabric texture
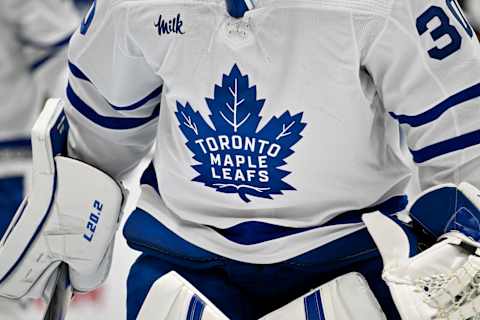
(342, 66)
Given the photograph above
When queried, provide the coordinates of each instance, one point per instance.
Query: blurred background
(38, 61)
(34, 38)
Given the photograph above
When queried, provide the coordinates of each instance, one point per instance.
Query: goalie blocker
(70, 216)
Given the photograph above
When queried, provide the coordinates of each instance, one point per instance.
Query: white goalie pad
(71, 215)
(172, 297)
(345, 298)
(441, 283)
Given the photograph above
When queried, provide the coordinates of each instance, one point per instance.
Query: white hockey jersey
(270, 128)
(34, 34)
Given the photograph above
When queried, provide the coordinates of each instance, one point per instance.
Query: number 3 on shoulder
(445, 28)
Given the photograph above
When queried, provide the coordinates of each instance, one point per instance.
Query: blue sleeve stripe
(23, 143)
(313, 306)
(458, 143)
(153, 95)
(52, 48)
(116, 123)
(40, 62)
(435, 112)
(48, 46)
(77, 72)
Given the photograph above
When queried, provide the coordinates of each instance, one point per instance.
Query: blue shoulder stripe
(458, 143)
(195, 308)
(152, 95)
(104, 121)
(313, 306)
(435, 112)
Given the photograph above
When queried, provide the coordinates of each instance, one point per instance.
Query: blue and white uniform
(32, 57)
(274, 131)
(34, 35)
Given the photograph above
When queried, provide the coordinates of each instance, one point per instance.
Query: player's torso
(265, 114)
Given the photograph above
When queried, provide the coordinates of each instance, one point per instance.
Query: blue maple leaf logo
(235, 156)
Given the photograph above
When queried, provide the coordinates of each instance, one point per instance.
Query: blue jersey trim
(154, 94)
(157, 92)
(39, 63)
(455, 144)
(236, 8)
(23, 143)
(195, 308)
(254, 232)
(149, 177)
(313, 306)
(52, 48)
(435, 112)
(48, 46)
(77, 72)
(116, 123)
(87, 21)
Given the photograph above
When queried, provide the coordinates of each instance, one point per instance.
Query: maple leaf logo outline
(235, 156)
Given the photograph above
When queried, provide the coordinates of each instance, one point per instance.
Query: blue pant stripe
(195, 309)
(313, 306)
(447, 146)
(435, 112)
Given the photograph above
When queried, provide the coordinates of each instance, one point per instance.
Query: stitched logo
(235, 156)
(173, 25)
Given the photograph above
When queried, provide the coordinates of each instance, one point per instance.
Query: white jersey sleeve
(425, 63)
(43, 29)
(34, 35)
(42, 23)
(113, 96)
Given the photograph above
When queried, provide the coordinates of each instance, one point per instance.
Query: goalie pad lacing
(455, 296)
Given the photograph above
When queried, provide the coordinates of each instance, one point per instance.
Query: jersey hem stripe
(435, 112)
(255, 232)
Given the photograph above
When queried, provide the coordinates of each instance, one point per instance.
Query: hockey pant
(244, 291)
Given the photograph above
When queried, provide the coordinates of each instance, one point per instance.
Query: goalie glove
(70, 216)
(442, 282)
